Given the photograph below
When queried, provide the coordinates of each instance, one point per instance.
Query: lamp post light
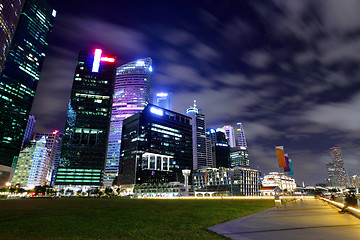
(186, 173)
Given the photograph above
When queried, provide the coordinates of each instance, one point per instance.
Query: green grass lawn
(96, 218)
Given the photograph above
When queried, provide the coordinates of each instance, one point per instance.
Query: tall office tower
(20, 76)
(164, 100)
(221, 148)
(29, 131)
(84, 143)
(33, 167)
(332, 174)
(239, 157)
(131, 95)
(10, 11)
(241, 136)
(230, 135)
(156, 146)
(53, 144)
(340, 171)
(198, 137)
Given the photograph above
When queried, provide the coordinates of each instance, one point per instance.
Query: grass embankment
(120, 218)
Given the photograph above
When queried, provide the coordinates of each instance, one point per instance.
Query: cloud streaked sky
(287, 69)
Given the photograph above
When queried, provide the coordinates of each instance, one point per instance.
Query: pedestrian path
(309, 219)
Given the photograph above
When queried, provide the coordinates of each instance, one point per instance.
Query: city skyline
(284, 69)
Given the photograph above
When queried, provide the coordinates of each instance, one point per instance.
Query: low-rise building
(232, 181)
(279, 179)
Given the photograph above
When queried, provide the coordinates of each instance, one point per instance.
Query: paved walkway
(309, 219)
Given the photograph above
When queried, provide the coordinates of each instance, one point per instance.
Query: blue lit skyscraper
(131, 95)
(84, 143)
(21, 74)
(200, 150)
(164, 100)
(241, 136)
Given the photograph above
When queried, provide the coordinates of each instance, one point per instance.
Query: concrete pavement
(309, 219)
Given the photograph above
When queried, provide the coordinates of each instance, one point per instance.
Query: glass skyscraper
(198, 137)
(83, 148)
(10, 11)
(156, 147)
(241, 136)
(21, 73)
(131, 95)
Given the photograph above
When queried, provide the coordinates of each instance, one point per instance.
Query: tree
(108, 191)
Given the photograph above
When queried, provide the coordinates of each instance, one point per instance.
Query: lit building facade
(222, 148)
(156, 146)
(241, 136)
(163, 100)
(280, 180)
(9, 16)
(340, 171)
(235, 181)
(33, 167)
(355, 181)
(29, 131)
(53, 144)
(21, 74)
(230, 134)
(131, 95)
(332, 174)
(198, 137)
(84, 142)
(239, 157)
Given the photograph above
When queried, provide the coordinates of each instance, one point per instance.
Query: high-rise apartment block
(156, 146)
(241, 135)
(21, 73)
(131, 95)
(163, 100)
(34, 166)
(84, 144)
(198, 137)
(10, 11)
(339, 170)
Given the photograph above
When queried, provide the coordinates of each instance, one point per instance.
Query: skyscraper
(198, 137)
(34, 166)
(156, 147)
(239, 157)
(164, 100)
(339, 170)
(9, 16)
(241, 136)
(230, 135)
(83, 148)
(21, 73)
(29, 131)
(131, 95)
(53, 144)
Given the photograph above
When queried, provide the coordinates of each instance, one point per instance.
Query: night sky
(287, 69)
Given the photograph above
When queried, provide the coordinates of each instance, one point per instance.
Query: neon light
(53, 13)
(96, 63)
(157, 111)
(161, 94)
(55, 132)
(150, 69)
(107, 59)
